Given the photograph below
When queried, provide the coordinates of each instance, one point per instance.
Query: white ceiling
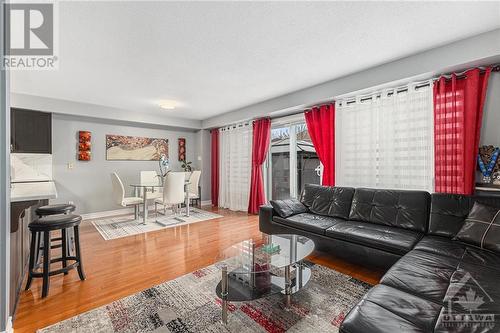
(214, 57)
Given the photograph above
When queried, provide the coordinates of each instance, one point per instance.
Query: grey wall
(203, 162)
(4, 187)
(88, 184)
(490, 132)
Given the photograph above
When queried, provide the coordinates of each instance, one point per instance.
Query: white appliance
(31, 177)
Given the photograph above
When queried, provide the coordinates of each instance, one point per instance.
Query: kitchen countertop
(32, 191)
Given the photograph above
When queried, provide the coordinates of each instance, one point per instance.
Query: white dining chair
(151, 177)
(194, 182)
(119, 195)
(173, 192)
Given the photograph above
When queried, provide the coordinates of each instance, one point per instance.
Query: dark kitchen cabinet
(22, 213)
(30, 131)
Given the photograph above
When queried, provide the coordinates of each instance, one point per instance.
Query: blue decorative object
(488, 170)
(163, 162)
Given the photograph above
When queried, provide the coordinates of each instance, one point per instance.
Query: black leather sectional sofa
(433, 282)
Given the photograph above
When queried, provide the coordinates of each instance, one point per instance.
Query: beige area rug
(114, 227)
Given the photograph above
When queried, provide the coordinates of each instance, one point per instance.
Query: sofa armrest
(266, 213)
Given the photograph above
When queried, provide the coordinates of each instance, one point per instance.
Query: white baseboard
(9, 328)
(106, 213)
(123, 211)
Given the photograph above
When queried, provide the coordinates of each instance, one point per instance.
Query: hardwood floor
(121, 267)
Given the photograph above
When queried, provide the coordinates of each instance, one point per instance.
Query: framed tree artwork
(182, 149)
(135, 148)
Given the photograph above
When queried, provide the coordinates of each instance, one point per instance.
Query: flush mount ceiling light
(168, 104)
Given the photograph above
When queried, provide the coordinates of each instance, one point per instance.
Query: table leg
(224, 291)
(145, 206)
(187, 200)
(288, 286)
(299, 278)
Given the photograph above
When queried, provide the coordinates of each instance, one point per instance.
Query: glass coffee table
(254, 269)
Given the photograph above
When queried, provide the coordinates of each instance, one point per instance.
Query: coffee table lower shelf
(238, 287)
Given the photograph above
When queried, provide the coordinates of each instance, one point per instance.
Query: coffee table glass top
(266, 254)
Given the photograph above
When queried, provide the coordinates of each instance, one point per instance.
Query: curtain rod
(401, 89)
(236, 125)
(419, 85)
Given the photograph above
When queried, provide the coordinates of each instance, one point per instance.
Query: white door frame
(268, 165)
(293, 161)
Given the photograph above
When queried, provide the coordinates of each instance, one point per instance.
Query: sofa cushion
(310, 222)
(311, 192)
(482, 281)
(472, 294)
(288, 207)
(387, 238)
(442, 246)
(403, 209)
(448, 212)
(386, 309)
(482, 259)
(422, 273)
(333, 201)
(327, 200)
(482, 227)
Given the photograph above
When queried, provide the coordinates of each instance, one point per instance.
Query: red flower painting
(84, 145)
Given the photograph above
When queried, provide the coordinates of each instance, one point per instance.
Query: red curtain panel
(321, 126)
(260, 145)
(458, 114)
(215, 167)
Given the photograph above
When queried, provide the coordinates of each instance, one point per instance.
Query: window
(386, 141)
(292, 161)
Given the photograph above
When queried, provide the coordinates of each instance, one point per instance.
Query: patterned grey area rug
(189, 304)
(122, 226)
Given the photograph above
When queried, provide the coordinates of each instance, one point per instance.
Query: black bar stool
(43, 227)
(54, 209)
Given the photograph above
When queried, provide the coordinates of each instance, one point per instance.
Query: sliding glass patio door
(292, 161)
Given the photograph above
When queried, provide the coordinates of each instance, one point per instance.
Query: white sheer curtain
(235, 166)
(386, 141)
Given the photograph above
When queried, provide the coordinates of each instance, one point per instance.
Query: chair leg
(46, 263)
(136, 212)
(64, 248)
(38, 253)
(78, 253)
(156, 210)
(32, 259)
